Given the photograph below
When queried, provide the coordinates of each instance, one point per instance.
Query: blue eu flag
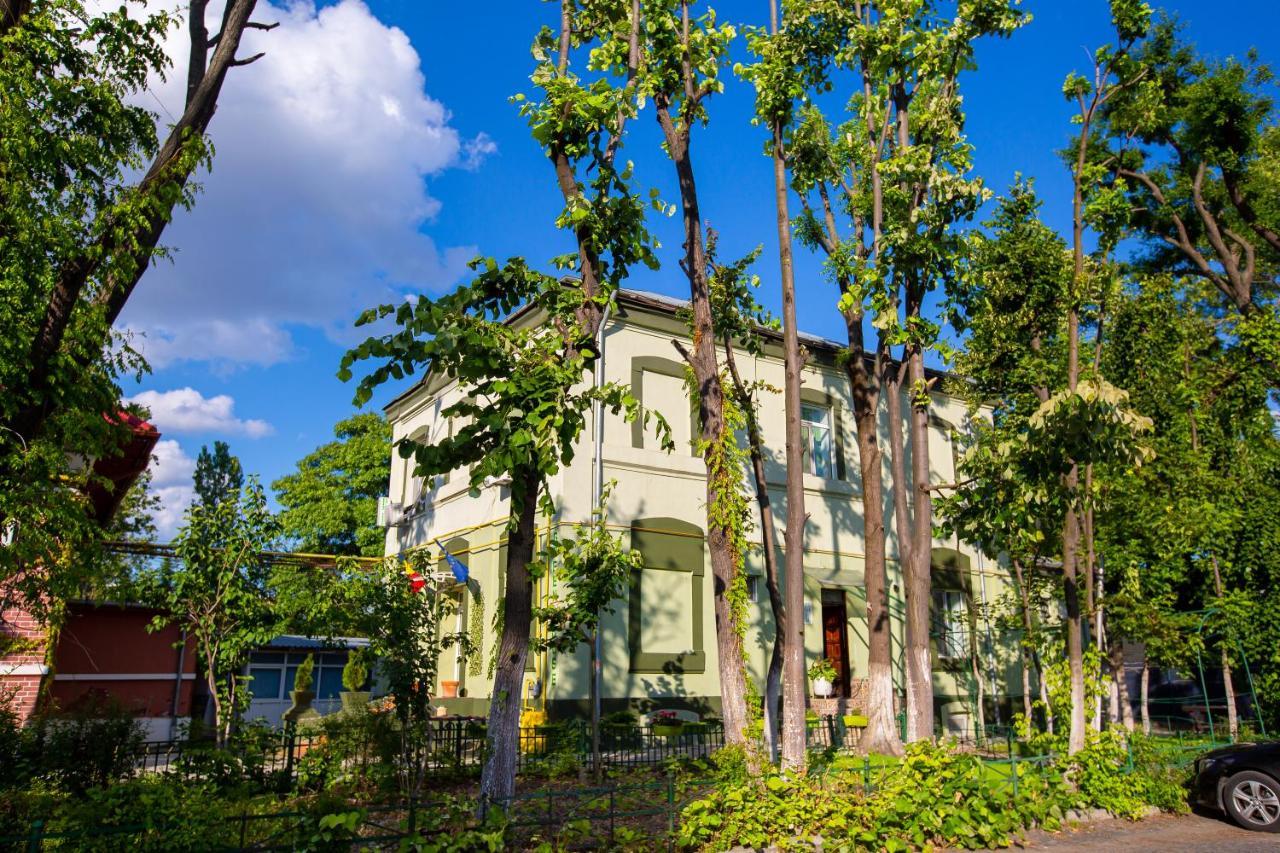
(455, 565)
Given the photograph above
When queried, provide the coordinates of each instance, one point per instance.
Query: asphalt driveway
(1200, 831)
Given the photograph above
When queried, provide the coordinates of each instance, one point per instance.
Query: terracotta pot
(449, 689)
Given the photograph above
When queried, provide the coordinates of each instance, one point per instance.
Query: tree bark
(769, 543)
(898, 472)
(1125, 716)
(918, 581)
(794, 753)
(881, 733)
(1024, 597)
(498, 778)
(704, 363)
(1145, 688)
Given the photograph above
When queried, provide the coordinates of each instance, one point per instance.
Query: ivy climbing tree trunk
(677, 98)
(769, 544)
(498, 778)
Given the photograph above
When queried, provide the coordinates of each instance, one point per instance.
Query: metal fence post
(290, 742)
(413, 815)
(1014, 764)
(37, 835)
(866, 775)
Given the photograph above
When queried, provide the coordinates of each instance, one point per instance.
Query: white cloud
(187, 410)
(313, 209)
(171, 471)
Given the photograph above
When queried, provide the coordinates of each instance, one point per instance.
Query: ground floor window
(951, 623)
(273, 673)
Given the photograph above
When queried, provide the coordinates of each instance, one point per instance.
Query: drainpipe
(177, 686)
(597, 489)
(991, 644)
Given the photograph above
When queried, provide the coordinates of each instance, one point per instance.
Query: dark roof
(297, 641)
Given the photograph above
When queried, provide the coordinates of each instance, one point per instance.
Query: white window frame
(807, 428)
(951, 623)
(290, 659)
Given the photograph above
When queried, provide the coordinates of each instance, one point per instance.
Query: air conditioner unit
(390, 513)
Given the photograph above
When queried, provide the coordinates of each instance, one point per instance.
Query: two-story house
(658, 645)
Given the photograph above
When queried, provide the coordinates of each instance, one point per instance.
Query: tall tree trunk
(1229, 690)
(1125, 716)
(892, 384)
(794, 753)
(918, 580)
(1028, 629)
(1145, 690)
(498, 778)
(704, 363)
(881, 733)
(1071, 480)
(769, 543)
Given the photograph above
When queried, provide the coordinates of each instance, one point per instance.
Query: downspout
(597, 490)
(177, 685)
(991, 643)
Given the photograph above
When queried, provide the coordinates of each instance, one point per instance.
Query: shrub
(356, 672)
(303, 677)
(935, 796)
(96, 744)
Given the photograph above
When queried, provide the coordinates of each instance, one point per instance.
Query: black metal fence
(565, 819)
(449, 745)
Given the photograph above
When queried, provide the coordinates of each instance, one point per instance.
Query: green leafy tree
(529, 371)
(1196, 147)
(739, 319)
(788, 57)
(68, 138)
(680, 60)
(218, 475)
(217, 590)
(1098, 207)
(67, 66)
(330, 504)
(78, 229)
(884, 194)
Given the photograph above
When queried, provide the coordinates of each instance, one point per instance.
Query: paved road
(1160, 834)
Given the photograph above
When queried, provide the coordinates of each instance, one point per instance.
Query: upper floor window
(815, 432)
(951, 623)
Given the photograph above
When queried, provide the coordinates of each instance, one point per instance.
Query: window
(951, 623)
(273, 674)
(753, 588)
(815, 432)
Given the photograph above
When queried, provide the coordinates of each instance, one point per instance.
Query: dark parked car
(1244, 781)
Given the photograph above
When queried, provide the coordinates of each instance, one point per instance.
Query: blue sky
(374, 150)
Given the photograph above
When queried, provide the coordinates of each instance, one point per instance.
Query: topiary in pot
(354, 677)
(301, 694)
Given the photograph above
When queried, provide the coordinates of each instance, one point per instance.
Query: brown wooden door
(835, 646)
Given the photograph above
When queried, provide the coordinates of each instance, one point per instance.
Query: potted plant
(301, 694)
(355, 675)
(666, 724)
(822, 672)
(855, 719)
